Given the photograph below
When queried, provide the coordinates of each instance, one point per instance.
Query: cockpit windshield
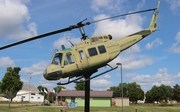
(57, 59)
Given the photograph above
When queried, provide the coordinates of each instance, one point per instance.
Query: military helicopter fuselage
(93, 53)
(83, 58)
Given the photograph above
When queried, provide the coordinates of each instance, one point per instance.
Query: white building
(27, 93)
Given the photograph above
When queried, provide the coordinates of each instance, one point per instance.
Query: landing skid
(85, 78)
(69, 81)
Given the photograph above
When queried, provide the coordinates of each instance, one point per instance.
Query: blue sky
(153, 61)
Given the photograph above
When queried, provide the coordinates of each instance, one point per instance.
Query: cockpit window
(57, 59)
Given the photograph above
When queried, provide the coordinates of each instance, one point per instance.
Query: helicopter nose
(52, 75)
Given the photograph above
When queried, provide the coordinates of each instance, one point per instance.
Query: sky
(153, 61)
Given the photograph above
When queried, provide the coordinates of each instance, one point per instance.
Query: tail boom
(132, 39)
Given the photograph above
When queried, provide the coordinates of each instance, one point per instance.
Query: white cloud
(100, 84)
(154, 43)
(13, 14)
(35, 69)
(145, 61)
(175, 48)
(174, 4)
(63, 41)
(141, 4)
(6, 62)
(118, 27)
(99, 3)
(110, 5)
(161, 77)
(178, 36)
(130, 75)
(170, 83)
(24, 80)
(132, 62)
(106, 76)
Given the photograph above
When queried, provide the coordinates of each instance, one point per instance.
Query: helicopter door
(83, 59)
(70, 66)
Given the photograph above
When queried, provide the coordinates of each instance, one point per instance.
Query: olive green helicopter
(87, 56)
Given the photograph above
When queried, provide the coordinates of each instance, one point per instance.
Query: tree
(135, 92)
(57, 89)
(117, 90)
(149, 97)
(80, 85)
(11, 83)
(0, 87)
(176, 92)
(159, 93)
(167, 92)
(52, 97)
(131, 90)
(125, 89)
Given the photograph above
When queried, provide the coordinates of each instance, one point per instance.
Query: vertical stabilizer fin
(153, 23)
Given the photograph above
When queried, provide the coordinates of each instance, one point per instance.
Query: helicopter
(87, 56)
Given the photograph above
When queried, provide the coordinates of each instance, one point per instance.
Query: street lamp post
(120, 64)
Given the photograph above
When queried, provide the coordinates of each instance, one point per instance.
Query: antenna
(70, 42)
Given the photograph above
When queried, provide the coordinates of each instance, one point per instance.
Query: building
(28, 93)
(119, 101)
(97, 98)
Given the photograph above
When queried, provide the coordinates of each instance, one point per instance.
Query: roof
(31, 88)
(102, 94)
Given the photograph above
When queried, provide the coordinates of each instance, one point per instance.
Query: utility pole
(29, 84)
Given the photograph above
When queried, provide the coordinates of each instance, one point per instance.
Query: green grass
(132, 108)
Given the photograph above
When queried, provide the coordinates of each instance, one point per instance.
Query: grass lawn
(132, 108)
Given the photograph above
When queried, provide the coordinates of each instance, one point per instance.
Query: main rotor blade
(78, 25)
(39, 36)
(124, 15)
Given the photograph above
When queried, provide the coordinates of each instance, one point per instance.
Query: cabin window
(92, 51)
(70, 58)
(81, 53)
(101, 49)
(57, 59)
